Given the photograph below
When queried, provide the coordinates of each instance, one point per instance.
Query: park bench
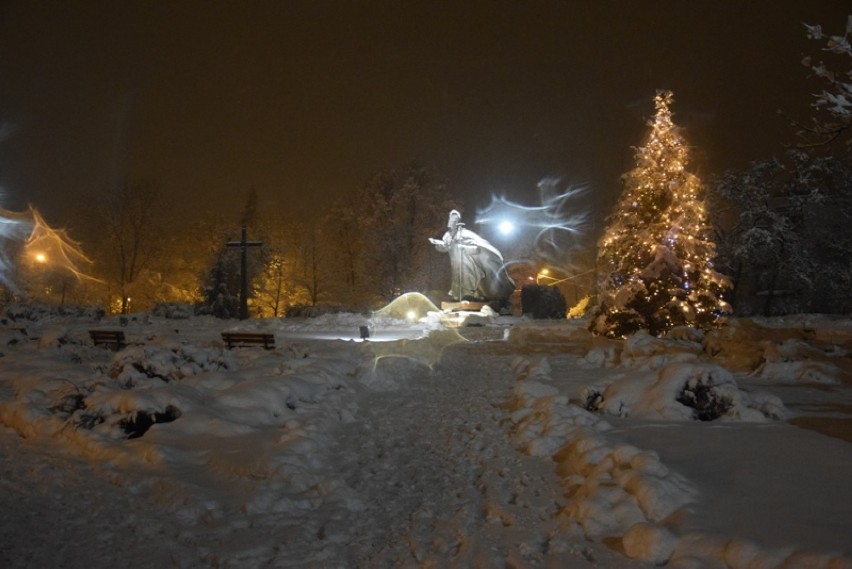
(243, 339)
(113, 339)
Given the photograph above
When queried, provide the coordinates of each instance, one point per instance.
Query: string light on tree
(656, 256)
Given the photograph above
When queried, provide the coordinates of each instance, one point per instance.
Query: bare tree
(311, 265)
(130, 221)
(405, 208)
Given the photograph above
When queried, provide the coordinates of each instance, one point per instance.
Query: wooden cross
(244, 244)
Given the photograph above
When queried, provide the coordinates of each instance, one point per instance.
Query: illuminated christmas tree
(655, 258)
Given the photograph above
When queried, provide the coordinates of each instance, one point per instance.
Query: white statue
(477, 266)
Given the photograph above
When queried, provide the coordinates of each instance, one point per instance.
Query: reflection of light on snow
(433, 337)
(395, 339)
(379, 335)
(425, 350)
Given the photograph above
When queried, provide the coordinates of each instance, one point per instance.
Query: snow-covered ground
(513, 443)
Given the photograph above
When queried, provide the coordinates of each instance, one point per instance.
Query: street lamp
(543, 274)
(506, 227)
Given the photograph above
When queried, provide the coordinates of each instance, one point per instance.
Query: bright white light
(411, 315)
(506, 227)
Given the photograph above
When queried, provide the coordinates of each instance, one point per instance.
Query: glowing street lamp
(506, 227)
(543, 274)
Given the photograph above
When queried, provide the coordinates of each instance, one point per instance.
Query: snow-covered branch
(836, 97)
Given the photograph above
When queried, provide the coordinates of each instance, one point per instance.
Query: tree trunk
(770, 294)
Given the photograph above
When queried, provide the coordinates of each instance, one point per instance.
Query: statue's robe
(477, 266)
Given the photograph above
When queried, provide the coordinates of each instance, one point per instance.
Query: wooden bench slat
(108, 338)
(239, 339)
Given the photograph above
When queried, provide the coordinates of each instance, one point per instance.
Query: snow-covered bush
(311, 311)
(173, 310)
(788, 353)
(33, 311)
(642, 350)
(682, 391)
(543, 301)
(167, 363)
(705, 398)
(138, 423)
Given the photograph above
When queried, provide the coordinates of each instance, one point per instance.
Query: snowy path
(442, 485)
(421, 474)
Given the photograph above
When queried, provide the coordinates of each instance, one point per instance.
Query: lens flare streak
(27, 241)
(557, 228)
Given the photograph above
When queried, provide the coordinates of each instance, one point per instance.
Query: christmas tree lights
(656, 256)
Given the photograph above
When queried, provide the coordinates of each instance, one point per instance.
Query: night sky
(305, 100)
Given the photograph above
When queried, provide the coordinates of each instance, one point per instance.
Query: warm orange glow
(48, 245)
(657, 248)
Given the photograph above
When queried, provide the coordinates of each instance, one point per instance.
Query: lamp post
(545, 274)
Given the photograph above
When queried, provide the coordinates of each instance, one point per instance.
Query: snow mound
(778, 354)
(682, 391)
(773, 349)
(409, 307)
(625, 495)
(325, 322)
(528, 333)
(12, 336)
(138, 364)
(794, 360)
(611, 486)
(644, 351)
(649, 542)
